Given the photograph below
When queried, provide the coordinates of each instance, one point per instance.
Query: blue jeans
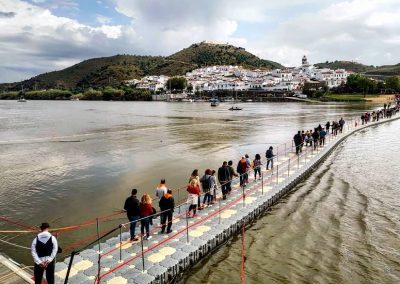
(207, 197)
(271, 161)
(133, 219)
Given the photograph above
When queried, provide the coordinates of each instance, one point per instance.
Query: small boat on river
(215, 103)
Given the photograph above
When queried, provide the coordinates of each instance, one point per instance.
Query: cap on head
(134, 191)
(44, 226)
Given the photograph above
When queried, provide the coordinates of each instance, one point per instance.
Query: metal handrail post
(179, 200)
(262, 183)
(219, 211)
(277, 173)
(141, 244)
(305, 158)
(98, 242)
(71, 259)
(120, 242)
(244, 205)
(187, 227)
(298, 162)
(277, 153)
(288, 169)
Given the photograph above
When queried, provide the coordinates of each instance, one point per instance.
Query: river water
(65, 162)
(341, 225)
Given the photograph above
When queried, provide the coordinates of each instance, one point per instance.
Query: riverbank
(357, 97)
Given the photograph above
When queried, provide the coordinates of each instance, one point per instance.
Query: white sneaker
(149, 237)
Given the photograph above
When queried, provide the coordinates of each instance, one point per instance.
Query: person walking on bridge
(206, 185)
(341, 124)
(297, 142)
(327, 125)
(44, 249)
(241, 169)
(224, 178)
(270, 157)
(322, 135)
(231, 175)
(193, 190)
(132, 209)
(146, 210)
(257, 166)
(315, 137)
(161, 190)
(167, 205)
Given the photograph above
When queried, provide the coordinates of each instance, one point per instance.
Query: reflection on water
(341, 225)
(65, 162)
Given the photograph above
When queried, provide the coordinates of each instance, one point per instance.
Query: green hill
(206, 54)
(348, 65)
(98, 72)
(385, 70)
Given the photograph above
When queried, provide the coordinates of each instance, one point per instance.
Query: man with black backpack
(44, 249)
(224, 178)
(206, 185)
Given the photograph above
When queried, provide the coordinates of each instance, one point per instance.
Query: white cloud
(34, 41)
(361, 30)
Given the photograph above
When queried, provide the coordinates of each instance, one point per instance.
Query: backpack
(205, 182)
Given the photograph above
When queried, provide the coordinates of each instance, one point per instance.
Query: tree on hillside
(176, 83)
(393, 83)
(358, 83)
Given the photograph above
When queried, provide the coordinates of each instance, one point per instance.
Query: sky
(38, 36)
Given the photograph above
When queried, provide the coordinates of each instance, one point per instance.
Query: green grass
(347, 97)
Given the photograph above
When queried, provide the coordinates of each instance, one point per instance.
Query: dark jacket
(223, 174)
(232, 172)
(298, 139)
(132, 206)
(167, 202)
(269, 154)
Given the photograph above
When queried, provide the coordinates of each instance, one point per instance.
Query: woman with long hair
(146, 210)
(195, 176)
(193, 190)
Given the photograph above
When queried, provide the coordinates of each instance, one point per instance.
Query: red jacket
(193, 189)
(146, 210)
